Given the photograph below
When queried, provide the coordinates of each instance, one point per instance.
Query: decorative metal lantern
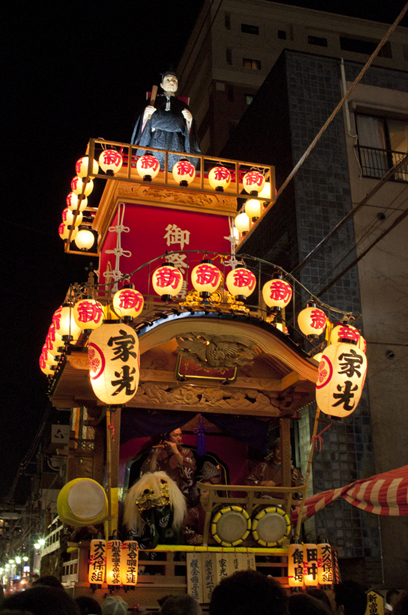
(128, 302)
(345, 333)
(242, 223)
(184, 172)
(82, 167)
(88, 313)
(206, 278)
(148, 167)
(253, 182)
(110, 161)
(324, 558)
(84, 239)
(114, 368)
(253, 209)
(97, 561)
(340, 379)
(277, 293)
(312, 321)
(65, 324)
(219, 178)
(167, 281)
(129, 562)
(69, 218)
(295, 565)
(77, 185)
(241, 282)
(113, 562)
(73, 202)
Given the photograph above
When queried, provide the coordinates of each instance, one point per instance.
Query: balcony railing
(376, 162)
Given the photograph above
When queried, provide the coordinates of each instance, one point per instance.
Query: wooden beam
(289, 380)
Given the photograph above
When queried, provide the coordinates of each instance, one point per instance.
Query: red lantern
(184, 172)
(277, 293)
(206, 278)
(312, 321)
(167, 281)
(88, 313)
(340, 379)
(295, 565)
(110, 161)
(128, 302)
(219, 178)
(148, 167)
(241, 283)
(82, 167)
(344, 333)
(253, 182)
(114, 369)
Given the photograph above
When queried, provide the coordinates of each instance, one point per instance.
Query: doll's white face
(170, 84)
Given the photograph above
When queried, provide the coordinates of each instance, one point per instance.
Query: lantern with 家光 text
(362, 344)
(167, 281)
(310, 565)
(241, 283)
(253, 209)
(184, 172)
(148, 167)
(295, 565)
(206, 278)
(73, 202)
(219, 178)
(340, 379)
(242, 223)
(253, 182)
(325, 563)
(114, 368)
(277, 293)
(85, 167)
(113, 562)
(85, 238)
(77, 185)
(129, 562)
(68, 217)
(312, 321)
(344, 333)
(110, 161)
(97, 561)
(88, 313)
(128, 302)
(65, 325)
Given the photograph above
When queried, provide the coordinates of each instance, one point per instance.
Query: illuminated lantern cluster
(310, 565)
(184, 172)
(88, 314)
(241, 283)
(312, 321)
(128, 302)
(219, 178)
(148, 167)
(167, 281)
(114, 562)
(110, 161)
(206, 278)
(253, 182)
(114, 366)
(277, 293)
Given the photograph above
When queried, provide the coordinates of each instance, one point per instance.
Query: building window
(253, 64)
(382, 142)
(248, 99)
(248, 29)
(230, 93)
(227, 21)
(365, 46)
(282, 34)
(228, 56)
(317, 40)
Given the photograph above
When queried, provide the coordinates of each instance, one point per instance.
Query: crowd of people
(246, 592)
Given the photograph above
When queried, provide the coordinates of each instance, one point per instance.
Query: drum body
(230, 525)
(270, 526)
(82, 502)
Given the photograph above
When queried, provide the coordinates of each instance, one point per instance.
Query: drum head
(86, 499)
(230, 525)
(270, 526)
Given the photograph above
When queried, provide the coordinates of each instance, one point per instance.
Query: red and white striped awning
(384, 494)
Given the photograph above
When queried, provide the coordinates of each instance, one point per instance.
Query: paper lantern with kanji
(340, 379)
(113, 562)
(167, 281)
(312, 321)
(344, 333)
(111, 161)
(97, 561)
(68, 217)
(77, 185)
(277, 293)
(64, 322)
(129, 562)
(325, 562)
(148, 167)
(219, 178)
(88, 313)
(184, 172)
(114, 368)
(206, 278)
(45, 368)
(82, 167)
(362, 344)
(128, 302)
(241, 283)
(295, 565)
(73, 202)
(310, 565)
(253, 182)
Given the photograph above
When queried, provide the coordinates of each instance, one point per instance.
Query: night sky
(71, 71)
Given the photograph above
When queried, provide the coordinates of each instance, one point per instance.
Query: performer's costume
(167, 129)
(268, 471)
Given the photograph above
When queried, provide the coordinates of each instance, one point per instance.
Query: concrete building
(305, 79)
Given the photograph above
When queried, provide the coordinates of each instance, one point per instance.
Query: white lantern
(128, 302)
(253, 209)
(82, 167)
(88, 313)
(312, 321)
(344, 333)
(84, 239)
(64, 322)
(310, 565)
(63, 231)
(49, 357)
(277, 293)
(97, 561)
(266, 192)
(130, 560)
(114, 368)
(73, 202)
(317, 357)
(241, 283)
(77, 185)
(253, 182)
(167, 281)
(340, 379)
(148, 167)
(69, 218)
(219, 178)
(184, 172)
(110, 161)
(242, 223)
(206, 278)
(45, 368)
(113, 561)
(295, 565)
(324, 558)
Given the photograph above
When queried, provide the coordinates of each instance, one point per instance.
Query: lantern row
(113, 562)
(310, 565)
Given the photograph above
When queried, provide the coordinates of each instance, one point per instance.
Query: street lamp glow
(36, 545)
(11, 562)
(18, 560)
(41, 542)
